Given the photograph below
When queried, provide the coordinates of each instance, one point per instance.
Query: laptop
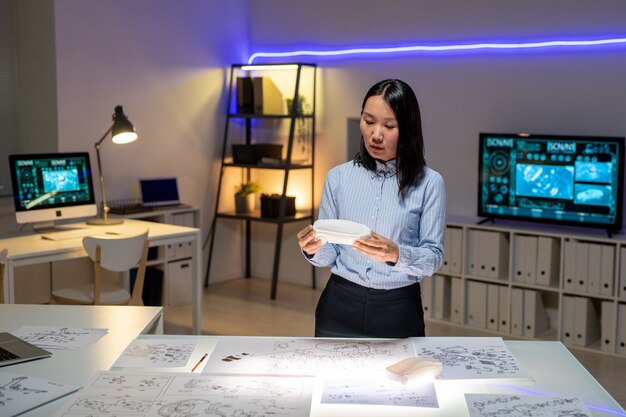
(15, 350)
(158, 192)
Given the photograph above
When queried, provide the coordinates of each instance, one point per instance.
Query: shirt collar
(385, 169)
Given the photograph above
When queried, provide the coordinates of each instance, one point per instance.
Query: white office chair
(113, 253)
(3, 259)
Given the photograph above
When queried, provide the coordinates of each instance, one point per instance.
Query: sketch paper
(302, 356)
(174, 395)
(495, 405)
(155, 353)
(57, 337)
(379, 392)
(19, 393)
(471, 357)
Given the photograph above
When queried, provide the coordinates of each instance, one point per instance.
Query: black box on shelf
(252, 153)
(270, 205)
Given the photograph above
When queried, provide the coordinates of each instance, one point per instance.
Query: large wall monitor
(49, 187)
(571, 180)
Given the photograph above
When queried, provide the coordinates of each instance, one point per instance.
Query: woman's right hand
(308, 241)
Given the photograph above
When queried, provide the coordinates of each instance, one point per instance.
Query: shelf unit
(533, 282)
(291, 124)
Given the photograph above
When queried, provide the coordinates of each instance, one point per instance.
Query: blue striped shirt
(416, 223)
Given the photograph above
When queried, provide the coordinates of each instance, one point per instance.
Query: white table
(77, 367)
(554, 370)
(32, 249)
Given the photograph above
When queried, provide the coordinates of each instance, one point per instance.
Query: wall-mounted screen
(572, 180)
(48, 187)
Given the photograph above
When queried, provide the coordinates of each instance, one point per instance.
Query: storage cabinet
(269, 138)
(173, 261)
(533, 282)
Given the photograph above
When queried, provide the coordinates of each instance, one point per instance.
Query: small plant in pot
(244, 196)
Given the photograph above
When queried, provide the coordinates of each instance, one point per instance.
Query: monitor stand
(487, 219)
(50, 226)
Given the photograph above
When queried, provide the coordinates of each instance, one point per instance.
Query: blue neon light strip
(440, 48)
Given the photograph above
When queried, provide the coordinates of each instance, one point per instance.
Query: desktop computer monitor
(49, 187)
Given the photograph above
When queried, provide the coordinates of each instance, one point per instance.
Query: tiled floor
(243, 307)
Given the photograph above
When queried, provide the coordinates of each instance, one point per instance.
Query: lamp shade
(123, 130)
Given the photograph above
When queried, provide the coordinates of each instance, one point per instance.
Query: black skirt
(347, 309)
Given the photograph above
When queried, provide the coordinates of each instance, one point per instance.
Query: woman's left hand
(378, 248)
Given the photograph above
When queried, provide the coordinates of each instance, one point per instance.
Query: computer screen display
(48, 187)
(551, 178)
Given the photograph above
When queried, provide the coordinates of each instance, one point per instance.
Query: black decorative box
(270, 205)
(252, 153)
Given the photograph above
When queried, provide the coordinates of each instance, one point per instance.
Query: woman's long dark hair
(410, 160)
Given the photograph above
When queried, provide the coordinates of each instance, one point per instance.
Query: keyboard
(68, 234)
(5, 355)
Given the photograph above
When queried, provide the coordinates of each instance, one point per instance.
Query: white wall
(461, 94)
(166, 62)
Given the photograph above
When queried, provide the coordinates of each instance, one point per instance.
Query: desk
(77, 367)
(32, 249)
(554, 370)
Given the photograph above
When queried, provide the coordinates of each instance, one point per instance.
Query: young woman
(374, 288)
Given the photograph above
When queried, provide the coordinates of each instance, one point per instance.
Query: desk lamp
(122, 131)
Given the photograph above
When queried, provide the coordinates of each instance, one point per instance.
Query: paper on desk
(183, 394)
(20, 393)
(57, 337)
(487, 405)
(314, 356)
(379, 391)
(155, 353)
(471, 357)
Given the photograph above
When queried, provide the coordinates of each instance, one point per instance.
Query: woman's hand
(308, 241)
(377, 247)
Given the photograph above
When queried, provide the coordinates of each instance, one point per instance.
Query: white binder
(582, 272)
(593, 268)
(441, 300)
(426, 287)
(567, 320)
(457, 301)
(517, 311)
(622, 273)
(493, 255)
(504, 325)
(586, 324)
(547, 261)
(473, 252)
(530, 257)
(620, 341)
(569, 265)
(535, 317)
(519, 263)
(493, 307)
(447, 251)
(477, 304)
(607, 327)
(607, 270)
(457, 250)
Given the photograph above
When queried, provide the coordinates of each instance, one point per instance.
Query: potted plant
(244, 196)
